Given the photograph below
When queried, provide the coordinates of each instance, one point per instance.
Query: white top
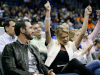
(82, 58)
(6, 39)
(32, 63)
(54, 47)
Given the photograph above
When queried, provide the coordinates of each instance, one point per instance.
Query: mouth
(65, 41)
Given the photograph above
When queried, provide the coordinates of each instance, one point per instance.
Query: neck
(38, 37)
(11, 35)
(96, 47)
(23, 39)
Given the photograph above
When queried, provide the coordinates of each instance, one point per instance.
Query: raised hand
(47, 6)
(88, 10)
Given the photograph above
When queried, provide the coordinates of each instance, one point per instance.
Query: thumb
(50, 71)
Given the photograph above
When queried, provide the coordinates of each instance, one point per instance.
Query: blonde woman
(61, 51)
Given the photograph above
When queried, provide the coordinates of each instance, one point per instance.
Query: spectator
(88, 39)
(78, 24)
(6, 13)
(90, 25)
(37, 39)
(61, 55)
(21, 58)
(97, 45)
(70, 24)
(9, 35)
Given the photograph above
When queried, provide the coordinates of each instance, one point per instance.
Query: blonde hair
(72, 33)
(60, 29)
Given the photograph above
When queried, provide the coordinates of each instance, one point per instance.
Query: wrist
(86, 14)
(48, 18)
(47, 10)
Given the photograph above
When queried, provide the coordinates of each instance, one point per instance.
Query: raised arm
(88, 11)
(47, 22)
(96, 29)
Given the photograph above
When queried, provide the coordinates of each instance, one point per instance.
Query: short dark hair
(33, 23)
(6, 23)
(19, 25)
(97, 41)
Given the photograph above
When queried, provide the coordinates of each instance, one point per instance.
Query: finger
(90, 8)
(51, 71)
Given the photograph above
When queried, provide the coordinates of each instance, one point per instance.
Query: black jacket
(15, 59)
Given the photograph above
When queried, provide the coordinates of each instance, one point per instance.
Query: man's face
(10, 29)
(29, 31)
(37, 30)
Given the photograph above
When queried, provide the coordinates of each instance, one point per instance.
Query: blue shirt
(6, 39)
(97, 50)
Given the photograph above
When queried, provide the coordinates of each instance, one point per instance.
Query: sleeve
(73, 46)
(2, 45)
(50, 45)
(95, 31)
(8, 62)
(78, 56)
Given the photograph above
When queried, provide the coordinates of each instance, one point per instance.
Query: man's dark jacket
(15, 59)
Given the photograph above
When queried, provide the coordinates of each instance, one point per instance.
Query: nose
(32, 30)
(66, 38)
(39, 29)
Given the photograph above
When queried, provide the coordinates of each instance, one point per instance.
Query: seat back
(2, 31)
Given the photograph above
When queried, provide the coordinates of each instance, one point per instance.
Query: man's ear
(22, 30)
(6, 28)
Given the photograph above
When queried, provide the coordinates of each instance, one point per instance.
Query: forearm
(47, 27)
(95, 31)
(84, 28)
(85, 23)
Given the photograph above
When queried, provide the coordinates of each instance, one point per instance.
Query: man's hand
(47, 6)
(51, 72)
(88, 10)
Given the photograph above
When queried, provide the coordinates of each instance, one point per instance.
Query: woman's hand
(88, 10)
(47, 6)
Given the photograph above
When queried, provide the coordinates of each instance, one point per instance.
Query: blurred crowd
(33, 22)
(34, 11)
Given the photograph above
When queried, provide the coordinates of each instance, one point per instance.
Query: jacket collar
(21, 43)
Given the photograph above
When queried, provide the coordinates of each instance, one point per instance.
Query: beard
(28, 36)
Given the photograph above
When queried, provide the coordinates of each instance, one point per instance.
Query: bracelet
(48, 18)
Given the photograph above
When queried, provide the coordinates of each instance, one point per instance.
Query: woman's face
(63, 39)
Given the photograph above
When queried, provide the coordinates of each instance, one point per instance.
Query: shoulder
(34, 47)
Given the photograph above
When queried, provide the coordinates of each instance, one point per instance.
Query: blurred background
(69, 11)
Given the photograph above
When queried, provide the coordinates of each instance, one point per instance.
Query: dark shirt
(61, 59)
